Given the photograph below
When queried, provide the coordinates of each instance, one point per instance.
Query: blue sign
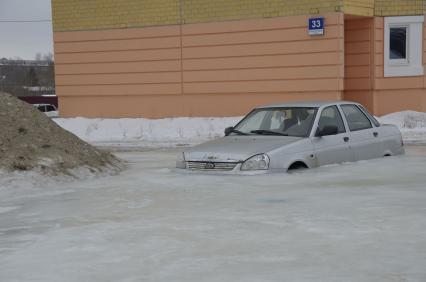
(316, 26)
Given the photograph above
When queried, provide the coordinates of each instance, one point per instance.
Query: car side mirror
(328, 130)
(228, 130)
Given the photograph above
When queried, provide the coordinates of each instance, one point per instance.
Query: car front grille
(212, 166)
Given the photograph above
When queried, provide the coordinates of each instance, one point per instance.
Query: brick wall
(196, 11)
(104, 14)
(399, 7)
(359, 7)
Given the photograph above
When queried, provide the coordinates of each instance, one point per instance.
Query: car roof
(308, 104)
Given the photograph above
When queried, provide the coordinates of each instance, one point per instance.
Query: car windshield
(288, 121)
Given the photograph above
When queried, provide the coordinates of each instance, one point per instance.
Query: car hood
(236, 148)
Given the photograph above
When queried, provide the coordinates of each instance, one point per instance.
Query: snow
(361, 221)
(411, 124)
(137, 132)
(171, 132)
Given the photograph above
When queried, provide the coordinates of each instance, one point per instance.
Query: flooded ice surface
(362, 221)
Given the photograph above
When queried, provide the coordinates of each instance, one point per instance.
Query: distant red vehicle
(48, 99)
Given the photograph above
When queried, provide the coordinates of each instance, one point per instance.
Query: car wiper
(268, 132)
(238, 132)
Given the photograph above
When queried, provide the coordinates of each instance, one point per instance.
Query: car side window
(355, 118)
(330, 116)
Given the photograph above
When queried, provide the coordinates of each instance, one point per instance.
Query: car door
(333, 148)
(365, 141)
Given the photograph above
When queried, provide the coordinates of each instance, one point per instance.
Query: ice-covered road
(354, 222)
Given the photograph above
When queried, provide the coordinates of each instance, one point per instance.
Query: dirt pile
(29, 140)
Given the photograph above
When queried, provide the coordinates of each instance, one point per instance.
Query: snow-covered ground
(140, 132)
(173, 132)
(361, 221)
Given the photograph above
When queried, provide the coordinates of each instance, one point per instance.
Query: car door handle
(375, 134)
(346, 139)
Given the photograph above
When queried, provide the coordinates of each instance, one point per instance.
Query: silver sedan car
(291, 136)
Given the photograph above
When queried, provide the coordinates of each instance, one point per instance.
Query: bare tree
(26, 77)
(48, 57)
(38, 56)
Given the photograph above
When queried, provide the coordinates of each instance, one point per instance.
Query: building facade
(165, 58)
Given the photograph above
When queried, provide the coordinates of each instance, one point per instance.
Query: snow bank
(171, 132)
(168, 132)
(412, 125)
(406, 120)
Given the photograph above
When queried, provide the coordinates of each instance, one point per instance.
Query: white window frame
(413, 64)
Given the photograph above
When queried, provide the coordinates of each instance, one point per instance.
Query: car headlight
(257, 162)
(180, 161)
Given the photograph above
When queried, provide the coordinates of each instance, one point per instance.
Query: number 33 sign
(316, 26)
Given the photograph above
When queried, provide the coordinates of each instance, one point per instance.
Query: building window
(403, 46)
(398, 43)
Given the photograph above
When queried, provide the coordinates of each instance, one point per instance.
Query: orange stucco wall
(226, 68)
(364, 71)
(207, 69)
(359, 61)
(396, 93)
